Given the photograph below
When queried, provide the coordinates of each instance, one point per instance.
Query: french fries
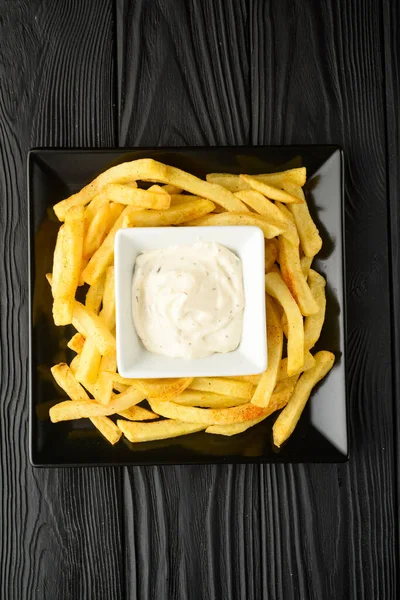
(295, 300)
(276, 287)
(269, 230)
(67, 265)
(270, 191)
(313, 324)
(210, 416)
(126, 194)
(311, 241)
(159, 430)
(226, 387)
(265, 387)
(288, 418)
(293, 276)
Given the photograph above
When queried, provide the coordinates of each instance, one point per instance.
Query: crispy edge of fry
(102, 389)
(264, 390)
(289, 417)
(76, 343)
(158, 430)
(277, 288)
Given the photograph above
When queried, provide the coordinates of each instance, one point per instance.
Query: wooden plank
(391, 24)
(317, 78)
(281, 531)
(60, 529)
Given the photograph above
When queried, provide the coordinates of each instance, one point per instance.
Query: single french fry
(308, 363)
(265, 388)
(126, 194)
(76, 343)
(94, 295)
(94, 327)
(175, 215)
(97, 231)
(119, 387)
(104, 255)
(67, 265)
(158, 430)
(310, 239)
(103, 386)
(90, 362)
(305, 263)
(228, 218)
(207, 399)
(288, 418)
(235, 184)
(224, 386)
(108, 311)
(107, 428)
(293, 277)
(314, 323)
(137, 413)
(270, 191)
(277, 288)
(291, 232)
(210, 416)
(147, 169)
(265, 207)
(86, 408)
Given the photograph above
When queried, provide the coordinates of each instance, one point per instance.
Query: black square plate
(321, 435)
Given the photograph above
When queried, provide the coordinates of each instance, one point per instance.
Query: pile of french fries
(155, 409)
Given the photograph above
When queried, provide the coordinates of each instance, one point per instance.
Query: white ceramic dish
(134, 361)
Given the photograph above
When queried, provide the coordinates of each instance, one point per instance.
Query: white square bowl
(134, 361)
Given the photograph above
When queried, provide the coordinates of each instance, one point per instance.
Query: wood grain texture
(315, 76)
(391, 21)
(183, 72)
(60, 534)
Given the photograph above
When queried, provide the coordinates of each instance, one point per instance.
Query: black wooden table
(97, 73)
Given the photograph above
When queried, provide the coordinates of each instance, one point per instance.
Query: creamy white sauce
(188, 301)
